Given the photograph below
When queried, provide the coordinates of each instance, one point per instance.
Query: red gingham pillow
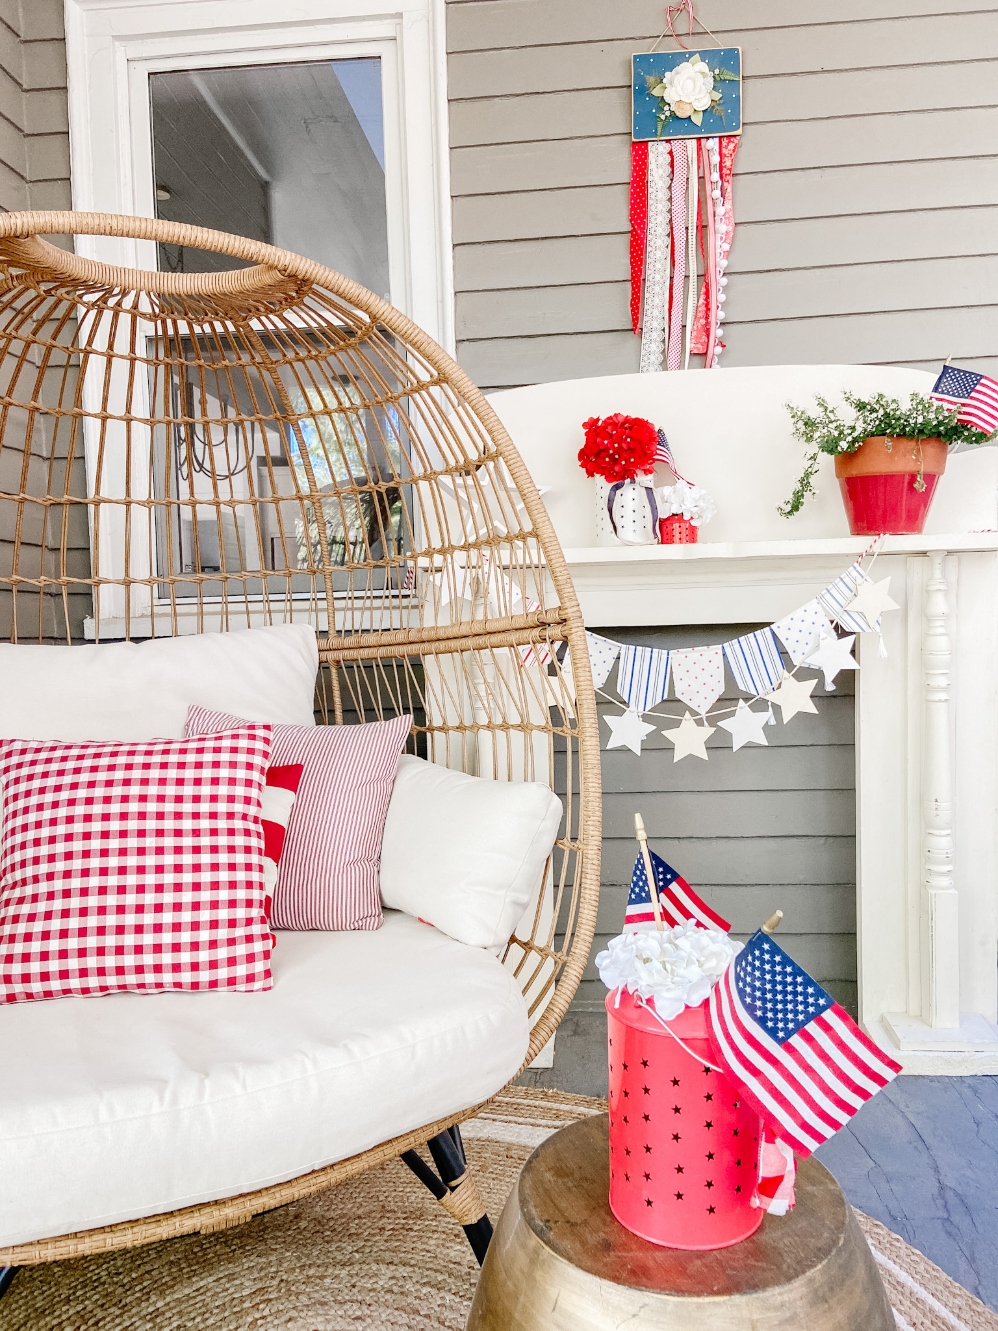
(133, 866)
(329, 868)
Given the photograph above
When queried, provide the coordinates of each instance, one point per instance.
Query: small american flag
(799, 1058)
(663, 453)
(974, 395)
(677, 899)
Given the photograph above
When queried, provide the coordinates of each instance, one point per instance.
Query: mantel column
(940, 906)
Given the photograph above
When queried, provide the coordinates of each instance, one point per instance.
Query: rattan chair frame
(457, 614)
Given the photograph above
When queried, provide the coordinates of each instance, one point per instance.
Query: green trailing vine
(826, 430)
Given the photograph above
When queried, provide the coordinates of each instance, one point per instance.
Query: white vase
(635, 513)
(605, 534)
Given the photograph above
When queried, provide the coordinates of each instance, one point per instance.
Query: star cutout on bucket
(793, 696)
(871, 600)
(746, 726)
(833, 654)
(628, 731)
(689, 739)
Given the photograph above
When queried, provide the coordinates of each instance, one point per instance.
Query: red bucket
(684, 1148)
(677, 531)
(890, 503)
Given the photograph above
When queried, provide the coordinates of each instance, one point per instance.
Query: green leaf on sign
(697, 117)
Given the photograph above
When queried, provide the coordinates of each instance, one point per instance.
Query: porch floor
(921, 1157)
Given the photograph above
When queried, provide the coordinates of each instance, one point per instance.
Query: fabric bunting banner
(602, 655)
(755, 662)
(837, 595)
(643, 676)
(801, 631)
(698, 676)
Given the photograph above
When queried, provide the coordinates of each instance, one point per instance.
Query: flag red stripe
(685, 898)
(808, 1097)
(762, 1094)
(880, 1066)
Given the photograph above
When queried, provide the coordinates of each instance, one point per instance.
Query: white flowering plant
(673, 968)
(691, 501)
(686, 91)
(826, 430)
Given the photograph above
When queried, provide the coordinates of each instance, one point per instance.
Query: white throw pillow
(463, 853)
(142, 690)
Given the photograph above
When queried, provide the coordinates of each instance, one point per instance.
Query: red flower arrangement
(618, 447)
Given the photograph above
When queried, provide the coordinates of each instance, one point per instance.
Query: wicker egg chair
(190, 452)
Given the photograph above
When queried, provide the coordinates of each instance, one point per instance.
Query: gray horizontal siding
(34, 124)
(883, 118)
(764, 828)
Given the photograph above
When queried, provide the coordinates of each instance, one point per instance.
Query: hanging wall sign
(686, 94)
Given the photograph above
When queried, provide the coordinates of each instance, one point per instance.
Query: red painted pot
(677, 530)
(880, 484)
(684, 1148)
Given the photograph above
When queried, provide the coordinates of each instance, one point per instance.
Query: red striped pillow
(329, 875)
(278, 801)
(133, 866)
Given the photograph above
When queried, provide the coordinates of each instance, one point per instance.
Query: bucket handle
(666, 1027)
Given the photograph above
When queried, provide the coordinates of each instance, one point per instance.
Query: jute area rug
(375, 1254)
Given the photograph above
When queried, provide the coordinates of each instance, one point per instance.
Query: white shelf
(829, 547)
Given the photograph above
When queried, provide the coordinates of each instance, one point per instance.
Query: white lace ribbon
(654, 331)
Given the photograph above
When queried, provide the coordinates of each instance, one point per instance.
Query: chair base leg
(454, 1187)
(7, 1274)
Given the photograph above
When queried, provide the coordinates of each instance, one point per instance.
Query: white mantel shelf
(730, 582)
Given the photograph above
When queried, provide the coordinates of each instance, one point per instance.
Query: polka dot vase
(684, 1149)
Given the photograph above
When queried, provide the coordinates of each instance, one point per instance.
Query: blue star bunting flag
(677, 900)
(974, 396)
(799, 1058)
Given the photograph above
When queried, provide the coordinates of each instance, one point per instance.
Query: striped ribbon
(837, 596)
(680, 182)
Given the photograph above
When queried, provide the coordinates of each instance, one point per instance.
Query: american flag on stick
(663, 453)
(798, 1057)
(677, 900)
(975, 397)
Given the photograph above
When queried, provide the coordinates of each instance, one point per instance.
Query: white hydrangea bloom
(675, 968)
(692, 501)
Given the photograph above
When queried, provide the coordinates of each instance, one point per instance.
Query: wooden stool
(559, 1260)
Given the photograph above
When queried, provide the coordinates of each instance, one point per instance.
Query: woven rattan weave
(186, 452)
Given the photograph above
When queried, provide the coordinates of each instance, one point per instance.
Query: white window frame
(113, 46)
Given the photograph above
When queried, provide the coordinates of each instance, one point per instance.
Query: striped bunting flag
(755, 662)
(837, 596)
(798, 1057)
(643, 676)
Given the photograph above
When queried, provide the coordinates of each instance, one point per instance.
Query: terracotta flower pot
(888, 483)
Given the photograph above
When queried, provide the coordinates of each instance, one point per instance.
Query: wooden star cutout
(689, 739)
(793, 696)
(628, 731)
(833, 654)
(872, 599)
(746, 726)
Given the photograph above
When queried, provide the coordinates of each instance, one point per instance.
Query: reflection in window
(246, 461)
(291, 154)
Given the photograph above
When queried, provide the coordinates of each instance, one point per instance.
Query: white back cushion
(137, 691)
(463, 853)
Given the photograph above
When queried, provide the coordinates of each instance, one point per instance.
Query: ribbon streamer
(639, 204)
(655, 330)
(680, 182)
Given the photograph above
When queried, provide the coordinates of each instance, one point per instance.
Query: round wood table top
(559, 1259)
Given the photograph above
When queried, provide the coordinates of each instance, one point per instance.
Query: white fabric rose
(674, 968)
(688, 87)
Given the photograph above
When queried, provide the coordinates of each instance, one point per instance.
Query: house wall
(866, 185)
(34, 129)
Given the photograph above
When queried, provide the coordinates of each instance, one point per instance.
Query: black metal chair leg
(7, 1274)
(454, 1189)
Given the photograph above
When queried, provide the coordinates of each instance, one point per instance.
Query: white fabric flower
(688, 87)
(674, 968)
(692, 501)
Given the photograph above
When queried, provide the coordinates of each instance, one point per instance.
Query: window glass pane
(289, 154)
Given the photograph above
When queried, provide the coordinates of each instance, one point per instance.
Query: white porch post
(940, 906)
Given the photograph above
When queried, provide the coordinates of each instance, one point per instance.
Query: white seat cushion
(118, 1107)
(142, 690)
